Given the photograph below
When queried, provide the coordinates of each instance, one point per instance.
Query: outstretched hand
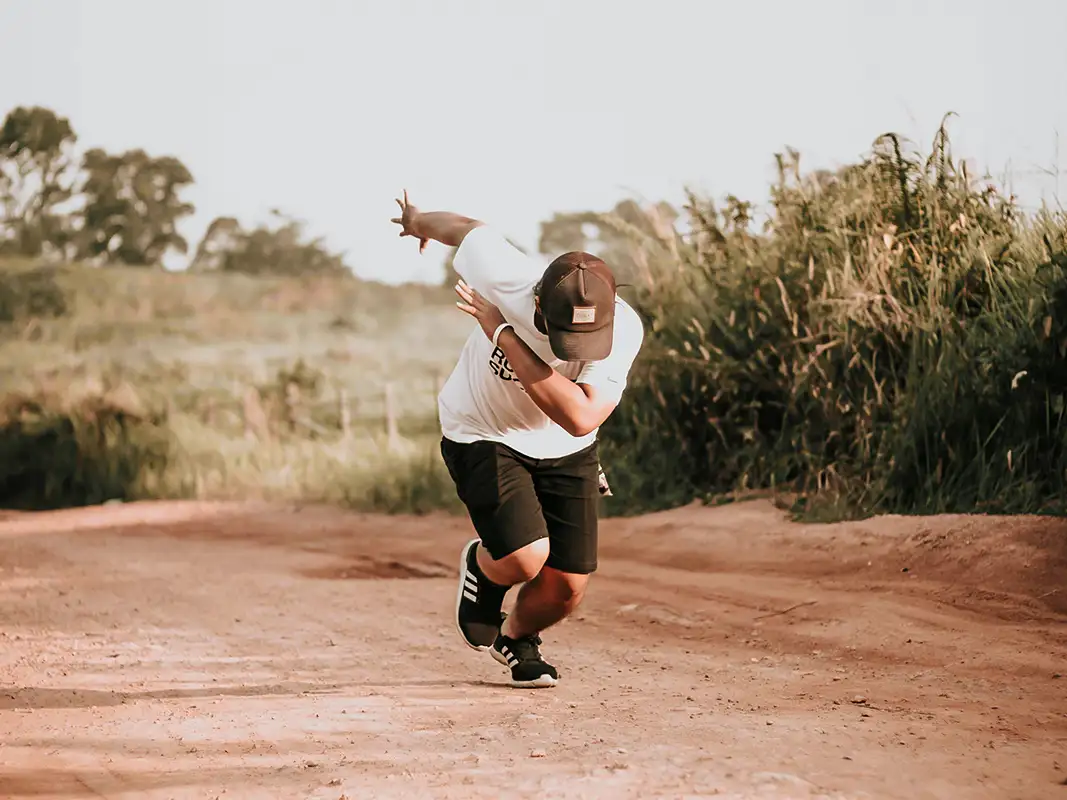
(470, 302)
(408, 221)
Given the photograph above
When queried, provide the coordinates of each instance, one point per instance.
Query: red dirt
(184, 650)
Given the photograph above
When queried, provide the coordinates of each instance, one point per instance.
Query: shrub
(414, 484)
(28, 293)
(892, 340)
(82, 446)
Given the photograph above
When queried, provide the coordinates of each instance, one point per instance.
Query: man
(519, 420)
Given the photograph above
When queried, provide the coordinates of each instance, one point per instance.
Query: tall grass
(85, 444)
(72, 446)
(124, 384)
(892, 340)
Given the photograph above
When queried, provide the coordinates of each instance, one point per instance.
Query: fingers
(399, 203)
(405, 232)
(422, 244)
(470, 290)
(467, 309)
(471, 298)
(406, 198)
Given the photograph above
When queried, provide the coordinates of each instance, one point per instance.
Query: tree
(132, 207)
(35, 158)
(281, 250)
(221, 240)
(606, 235)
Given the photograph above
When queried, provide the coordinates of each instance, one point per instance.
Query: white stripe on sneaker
(465, 593)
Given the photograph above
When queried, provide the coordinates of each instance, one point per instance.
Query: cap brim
(583, 345)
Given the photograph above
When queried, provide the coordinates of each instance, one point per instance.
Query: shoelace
(526, 648)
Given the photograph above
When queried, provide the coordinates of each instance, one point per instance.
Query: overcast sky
(509, 111)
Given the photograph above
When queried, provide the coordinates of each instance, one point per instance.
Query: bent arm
(444, 227)
(576, 408)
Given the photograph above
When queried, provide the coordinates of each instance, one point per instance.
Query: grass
(213, 357)
(892, 338)
(88, 443)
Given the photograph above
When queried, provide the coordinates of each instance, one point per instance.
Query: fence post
(345, 414)
(391, 428)
(256, 422)
(292, 400)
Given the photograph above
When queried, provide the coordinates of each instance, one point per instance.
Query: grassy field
(200, 369)
(891, 337)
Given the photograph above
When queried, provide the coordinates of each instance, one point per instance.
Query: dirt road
(211, 650)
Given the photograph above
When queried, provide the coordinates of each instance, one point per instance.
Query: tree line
(105, 208)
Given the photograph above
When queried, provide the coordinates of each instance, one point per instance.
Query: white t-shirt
(482, 399)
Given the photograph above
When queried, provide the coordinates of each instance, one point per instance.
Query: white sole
(543, 682)
(459, 592)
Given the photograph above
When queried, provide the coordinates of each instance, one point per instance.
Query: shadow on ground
(52, 782)
(32, 698)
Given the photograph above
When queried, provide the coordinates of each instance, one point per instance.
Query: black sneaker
(523, 658)
(478, 601)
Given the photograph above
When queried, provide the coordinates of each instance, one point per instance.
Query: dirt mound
(1020, 556)
(989, 559)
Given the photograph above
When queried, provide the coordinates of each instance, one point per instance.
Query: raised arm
(441, 226)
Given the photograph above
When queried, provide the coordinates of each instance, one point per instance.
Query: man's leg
(544, 601)
(519, 567)
(567, 490)
(495, 485)
(547, 595)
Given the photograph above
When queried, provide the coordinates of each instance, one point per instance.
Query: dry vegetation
(892, 339)
(131, 383)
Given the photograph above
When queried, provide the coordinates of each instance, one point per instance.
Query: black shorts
(514, 500)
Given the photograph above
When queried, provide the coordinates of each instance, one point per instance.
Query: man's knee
(566, 588)
(519, 567)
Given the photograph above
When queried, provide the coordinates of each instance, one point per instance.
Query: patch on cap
(583, 315)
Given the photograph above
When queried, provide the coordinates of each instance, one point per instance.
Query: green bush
(415, 484)
(28, 293)
(892, 340)
(70, 447)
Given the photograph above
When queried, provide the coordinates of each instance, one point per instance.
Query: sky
(508, 112)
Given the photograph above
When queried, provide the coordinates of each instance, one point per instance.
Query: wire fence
(396, 411)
